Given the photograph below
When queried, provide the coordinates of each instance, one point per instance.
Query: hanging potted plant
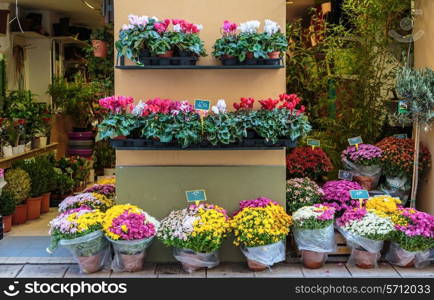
(314, 234)
(80, 231)
(275, 42)
(364, 162)
(99, 43)
(130, 230)
(226, 48)
(365, 231)
(7, 209)
(19, 184)
(412, 240)
(260, 227)
(196, 233)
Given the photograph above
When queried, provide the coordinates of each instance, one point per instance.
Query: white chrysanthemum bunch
(371, 226)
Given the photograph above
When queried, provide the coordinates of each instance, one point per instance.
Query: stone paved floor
(224, 270)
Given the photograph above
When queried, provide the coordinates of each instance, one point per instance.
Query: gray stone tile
(230, 270)
(282, 270)
(328, 270)
(43, 271)
(74, 272)
(9, 271)
(149, 271)
(383, 270)
(8, 252)
(427, 272)
(174, 270)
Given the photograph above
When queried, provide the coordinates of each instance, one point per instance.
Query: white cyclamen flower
(271, 27)
(199, 26)
(250, 26)
(139, 108)
(220, 108)
(127, 27)
(177, 28)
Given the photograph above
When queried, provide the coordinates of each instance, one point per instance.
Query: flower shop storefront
(157, 179)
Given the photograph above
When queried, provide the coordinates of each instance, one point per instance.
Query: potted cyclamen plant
(412, 239)
(251, 43)
(275, 42)
(80, 231)
(196, 233)
(365, 231)
(162, 45)
(226, 48)
(364, 162)
(314, 233)
(130, 230)
(260, 227)
(186, 41)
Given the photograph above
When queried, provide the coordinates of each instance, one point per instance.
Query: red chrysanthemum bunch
(308, 162)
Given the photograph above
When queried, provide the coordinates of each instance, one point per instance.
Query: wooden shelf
(7, 162)
(199, 67)
(30, 35)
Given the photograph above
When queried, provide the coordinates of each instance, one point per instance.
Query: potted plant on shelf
(412, 239)
(275, 42)
(135, 37)
(196, 233)
(226, 48)
(162, 45)
(186, 41)
(397, 163)
(7, 208)
(11, 135)
(99, 43)
(364, 162)
(302, 192)
(260, 227)
(130, 230)
(314, 234)
(365, 231)
(80, 231)
(19, 184)
(251, 43)
(44, 129)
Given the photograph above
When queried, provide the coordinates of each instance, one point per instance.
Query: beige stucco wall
(202, 84)
(424, 57)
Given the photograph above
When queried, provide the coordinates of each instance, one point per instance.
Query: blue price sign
(202, 105)
(355, 141)
(403, 107)
(195, 196)
(345, 175)
(400, 136)
(359, 194)
(313, 142)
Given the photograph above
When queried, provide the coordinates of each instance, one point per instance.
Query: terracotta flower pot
(34, 208)
(20, 214)
(168, 53)
(7, 223)
(134, 262)
(364, 259)
(367, 182)
(312, 259)
(256, 266)
(90, 264)
(99, 48)
(274, 55)
(45, 203)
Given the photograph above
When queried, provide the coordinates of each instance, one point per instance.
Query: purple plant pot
(87, 135)
(80, 152)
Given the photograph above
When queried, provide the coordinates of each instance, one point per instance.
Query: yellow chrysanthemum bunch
(259, 226)
(104, 202)
(107, 180)
(89, 220)
(383, 205)
(211, 223)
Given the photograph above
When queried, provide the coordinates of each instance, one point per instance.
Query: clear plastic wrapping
(397, 187)
(364, 252)
(92, 251)
(317, 240)
(192, 261)
(129, 255)
(400, 257)
(366, 176)
(266, 255)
